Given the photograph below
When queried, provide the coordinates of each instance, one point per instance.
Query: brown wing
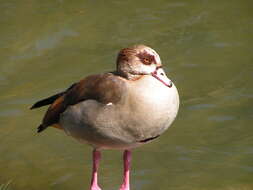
(104, 88)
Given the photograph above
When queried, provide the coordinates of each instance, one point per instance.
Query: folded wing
(92, 87)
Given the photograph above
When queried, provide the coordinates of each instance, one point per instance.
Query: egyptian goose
(122, 109)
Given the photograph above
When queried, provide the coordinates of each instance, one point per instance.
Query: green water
(206, 47)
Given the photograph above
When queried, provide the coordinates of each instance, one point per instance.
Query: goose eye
(145, 61)
(145, 58)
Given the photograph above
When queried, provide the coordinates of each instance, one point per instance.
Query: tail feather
(46, 101)
(50, 99)
(41, 128)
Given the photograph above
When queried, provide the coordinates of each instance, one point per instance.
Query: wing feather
(104, 88)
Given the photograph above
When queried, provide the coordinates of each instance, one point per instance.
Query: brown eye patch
(146, 58)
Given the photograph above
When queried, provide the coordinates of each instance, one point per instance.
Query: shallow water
(206, 47)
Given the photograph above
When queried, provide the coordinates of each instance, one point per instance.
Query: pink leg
(127, 160)
(94, 179)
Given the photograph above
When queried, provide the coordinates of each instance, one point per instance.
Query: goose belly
(146, 112)
(154, 107)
